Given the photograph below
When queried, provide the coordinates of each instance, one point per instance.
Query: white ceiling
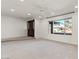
(44, 8)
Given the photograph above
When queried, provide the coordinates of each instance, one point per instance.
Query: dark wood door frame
(30, 28)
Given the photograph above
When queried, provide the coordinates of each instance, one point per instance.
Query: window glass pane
(68, 26)
(58, 26)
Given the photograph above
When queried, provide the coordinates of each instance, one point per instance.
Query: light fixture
(53, 13)
(22, 0)
(29, 14)
(40, 17)
(12, 10)
(76, 6)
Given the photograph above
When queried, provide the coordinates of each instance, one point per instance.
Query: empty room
(39, 29)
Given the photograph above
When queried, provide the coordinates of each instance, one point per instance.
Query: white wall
(37, 28)
(43, 32)
(12, 27)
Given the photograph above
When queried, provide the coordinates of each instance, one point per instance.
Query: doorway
(30, 28)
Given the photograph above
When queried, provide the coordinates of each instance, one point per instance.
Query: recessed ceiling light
(29, 14)
(22, 0)
(53, 13)
(12, 10)
(40, 16)
(76, 6)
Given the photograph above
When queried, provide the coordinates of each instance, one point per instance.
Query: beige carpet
(38, 49)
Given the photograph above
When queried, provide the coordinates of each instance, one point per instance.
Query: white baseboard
(11, 38)
(75, 44)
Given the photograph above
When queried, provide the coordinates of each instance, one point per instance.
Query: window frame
(52, 26)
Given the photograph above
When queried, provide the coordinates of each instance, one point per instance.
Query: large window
(61, 26)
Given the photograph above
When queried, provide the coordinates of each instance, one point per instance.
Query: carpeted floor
(38, 49)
